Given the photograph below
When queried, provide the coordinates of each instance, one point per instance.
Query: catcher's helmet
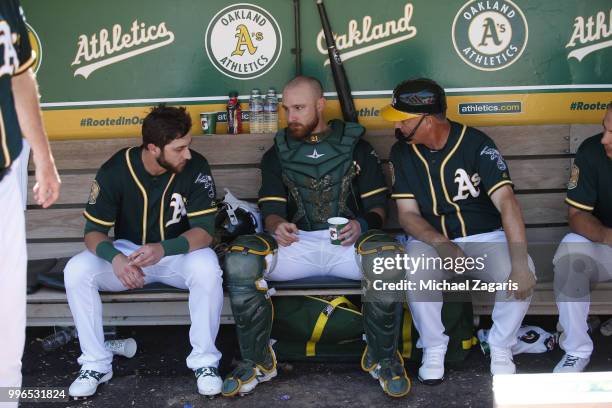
(231, 223)
(236, 217)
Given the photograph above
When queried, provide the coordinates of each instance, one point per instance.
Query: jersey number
(467, 186)
(178, 204)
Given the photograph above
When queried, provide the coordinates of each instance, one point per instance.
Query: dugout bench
(539, 158)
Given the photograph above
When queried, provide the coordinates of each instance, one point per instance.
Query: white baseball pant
(578, 263)
(313, 255)
(427, 315)
(12, 280)
(199, 271)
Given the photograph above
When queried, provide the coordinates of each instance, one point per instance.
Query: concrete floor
(157, 375)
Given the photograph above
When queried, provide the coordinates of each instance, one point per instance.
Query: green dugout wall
(102, 64)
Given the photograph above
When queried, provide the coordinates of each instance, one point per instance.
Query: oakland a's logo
(466, 185)
(490, 34)
(36, 47)
(177, 202)
(243, 41)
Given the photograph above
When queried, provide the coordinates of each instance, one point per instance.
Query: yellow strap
(469, 343)
(407, 334)
(322, 321)
(364, 241)
(240, 248)
(382, 248)
(341, 300)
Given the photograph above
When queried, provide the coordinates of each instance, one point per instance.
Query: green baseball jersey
(453, 185)
(147, 209)
(590, 184)
(16, 57)
(368, 188)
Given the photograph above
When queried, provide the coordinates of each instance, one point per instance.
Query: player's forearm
(272, 221)
(587, 225)
(25, 93)
(197, 238)
(417, 227)
(93, 238)
(514, 228)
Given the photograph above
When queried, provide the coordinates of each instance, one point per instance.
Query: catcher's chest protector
(319, 175)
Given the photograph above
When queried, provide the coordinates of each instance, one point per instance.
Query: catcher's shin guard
(382, 312)
(244, 267)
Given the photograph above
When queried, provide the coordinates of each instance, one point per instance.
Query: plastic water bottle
(256, 106)
(271, 112)
(59, 338)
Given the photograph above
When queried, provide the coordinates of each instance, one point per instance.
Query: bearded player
(314, 171)
(159, 198)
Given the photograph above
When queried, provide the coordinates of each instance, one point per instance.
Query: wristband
(374, 220)
(175, 246)
(107, 251)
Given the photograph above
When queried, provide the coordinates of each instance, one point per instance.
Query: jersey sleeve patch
(94, 192)
(496, 156)
(574, 175)
(207, 183)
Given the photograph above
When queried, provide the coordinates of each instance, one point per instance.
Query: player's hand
(350, 233)
(449, 250)
(146, 255)
(131, 276)
(286, 233)
(526, 282)
(47, 187)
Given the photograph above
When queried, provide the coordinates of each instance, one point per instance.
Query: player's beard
(300, 130)
(161, 160)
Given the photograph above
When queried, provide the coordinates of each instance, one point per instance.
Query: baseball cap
(414, 98)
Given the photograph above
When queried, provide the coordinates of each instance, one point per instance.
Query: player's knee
(78, 270)
(381, 256)
(202, 269)
(573, 245)
(577, 264)
(245, 260)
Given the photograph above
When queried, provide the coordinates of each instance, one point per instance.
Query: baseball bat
(349, 113)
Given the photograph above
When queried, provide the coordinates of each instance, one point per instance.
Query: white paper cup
(335, 226)
(122, 347)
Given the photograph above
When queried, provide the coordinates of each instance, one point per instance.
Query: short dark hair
(164, 124)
